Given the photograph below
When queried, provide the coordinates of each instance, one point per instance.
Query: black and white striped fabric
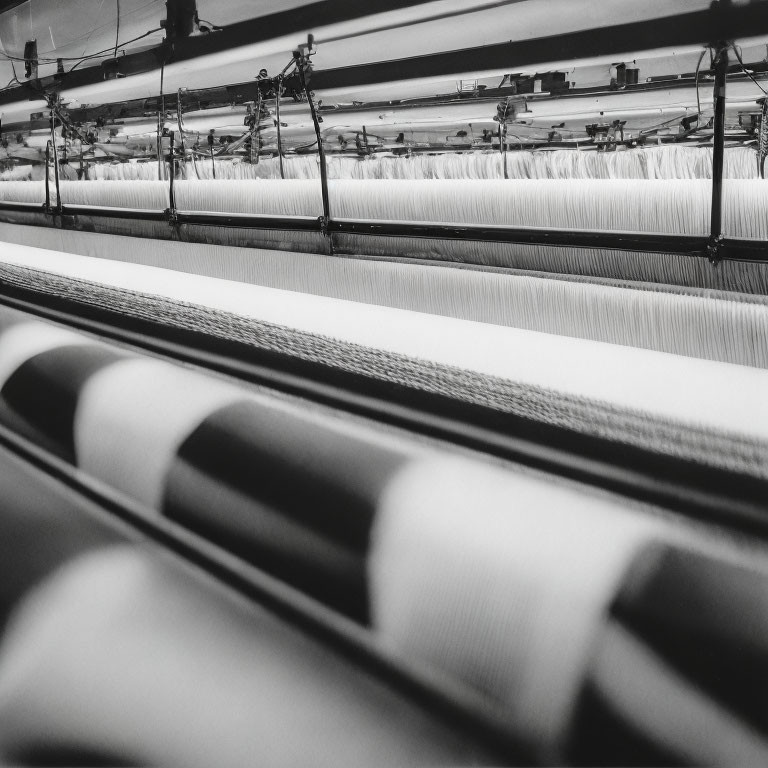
(602, 633)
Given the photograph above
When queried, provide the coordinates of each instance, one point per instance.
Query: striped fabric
(575, 617)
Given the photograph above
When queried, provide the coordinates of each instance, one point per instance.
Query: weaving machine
(384, 388)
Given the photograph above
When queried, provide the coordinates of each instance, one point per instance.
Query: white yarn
(671, 207)
(21, 173)
(693, 323)
(499, 583)
(140, 194)
(126, 172)
(25, 191)
(667, 162)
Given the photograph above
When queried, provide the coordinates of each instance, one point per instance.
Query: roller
(510, 589)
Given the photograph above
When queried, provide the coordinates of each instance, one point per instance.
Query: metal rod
(172, 174)
(321, 155)
(47, 176)
(718, 152)
(160, 173)
(180, 122)
(55, 159)
(279, 137)
(503, 147)
(255, 134)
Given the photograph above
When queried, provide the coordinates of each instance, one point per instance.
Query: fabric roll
(564, 611)
(133, 416)
(500, 582)
(292, 493)
(42, 373)
(125, 657)
(295, 497)
(678, 674)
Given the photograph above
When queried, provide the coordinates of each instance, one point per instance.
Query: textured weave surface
(540, 404)
(696, 322)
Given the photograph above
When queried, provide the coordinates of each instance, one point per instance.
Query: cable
(746, 71)
(80, 59)
(108, 50)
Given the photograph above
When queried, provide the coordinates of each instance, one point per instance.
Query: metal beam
(688, 29)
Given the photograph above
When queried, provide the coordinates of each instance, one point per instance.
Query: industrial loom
(346, 418)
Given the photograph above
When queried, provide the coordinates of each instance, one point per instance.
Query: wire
(14, 79)
(100, 53)
(80, 59)
(746, 71)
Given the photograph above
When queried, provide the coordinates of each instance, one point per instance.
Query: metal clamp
(714, 249)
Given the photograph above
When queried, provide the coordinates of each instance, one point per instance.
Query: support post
(303, 64)
(55, 160)
(279, 136)
(172, 174)
(47, 175)
(503, 146)
(718, 153)
(159, 147)
(255, 137)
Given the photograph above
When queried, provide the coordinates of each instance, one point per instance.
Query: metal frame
(721, 21)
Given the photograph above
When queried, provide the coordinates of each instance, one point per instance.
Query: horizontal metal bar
(734, 249)
(627, 241)
(694, 28)
(9, 205)
(249, 220)
(138, 214)
(294, 21)
(737, 249)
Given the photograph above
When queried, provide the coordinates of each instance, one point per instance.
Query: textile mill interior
(383, 384)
